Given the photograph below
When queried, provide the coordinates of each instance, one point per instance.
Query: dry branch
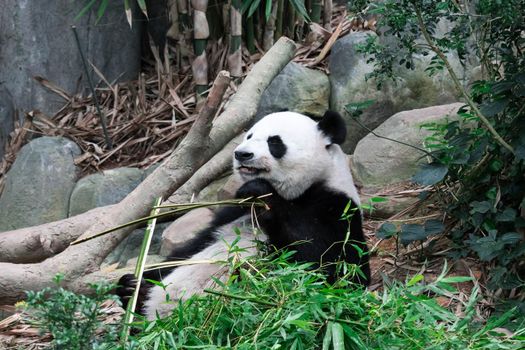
(198, 147)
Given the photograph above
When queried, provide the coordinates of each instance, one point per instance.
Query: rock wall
(36, 40)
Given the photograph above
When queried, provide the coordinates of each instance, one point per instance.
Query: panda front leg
(258, 188)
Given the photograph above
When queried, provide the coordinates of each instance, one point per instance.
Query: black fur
(314, 217)
(333, 126)
(276, 146)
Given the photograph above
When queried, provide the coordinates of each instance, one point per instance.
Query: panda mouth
(250, 170)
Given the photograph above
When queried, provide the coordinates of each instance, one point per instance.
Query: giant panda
(300, 163)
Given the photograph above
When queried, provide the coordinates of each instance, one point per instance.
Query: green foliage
(250, 6)
(271, 303)
(74, 320)
(480, 155)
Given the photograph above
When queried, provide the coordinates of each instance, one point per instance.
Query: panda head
(293, 152)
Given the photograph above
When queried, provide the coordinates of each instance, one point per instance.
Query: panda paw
(126, 287)
(255, 188)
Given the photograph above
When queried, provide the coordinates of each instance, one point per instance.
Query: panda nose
(242, 156)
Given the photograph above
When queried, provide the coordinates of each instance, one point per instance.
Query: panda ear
(333, 126)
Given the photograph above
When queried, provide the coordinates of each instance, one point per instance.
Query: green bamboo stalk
(250, 35)
(279, 21)
(317, 5)
(201, 32)
(139, 270)
(289, 20)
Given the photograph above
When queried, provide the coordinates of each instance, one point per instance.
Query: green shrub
(478, 160)
(75, 321)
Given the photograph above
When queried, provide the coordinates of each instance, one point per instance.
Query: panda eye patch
(276, 146)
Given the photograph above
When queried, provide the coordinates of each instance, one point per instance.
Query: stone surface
(211, 192)
(7, 117)
(297, 89)
(39, 183)
(414, 89)
(128, 250)
(108, 187)
(229, 189)
(37, 40)
(185, 228)
(377, 161)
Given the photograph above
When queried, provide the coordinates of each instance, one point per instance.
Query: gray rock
(378, 162)
(108, 187)
(414, 89)
(130, 247)
(185, 228)
(297, 89)
(229, 189)
(211, 192)
(37, 40)
(7, 117)
(39, 183)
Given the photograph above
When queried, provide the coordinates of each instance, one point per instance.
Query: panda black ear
(333, 126)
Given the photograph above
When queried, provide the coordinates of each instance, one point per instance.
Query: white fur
(307, 159)
(187, 280)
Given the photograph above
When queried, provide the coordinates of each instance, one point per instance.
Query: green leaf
(102, 8)
(143, 8)
(386, 230)
(433, 227)
(378, 199)
(338, 337)
(507, 215)
(327, 339)
(455, 279)
(85, 9)
(411, 233)
(430, 174)
(253, 7)
(511, 238)
(414, 280)
(298, 5)
(268, 9)
(492, 108)
(480, 207)
(127, 9)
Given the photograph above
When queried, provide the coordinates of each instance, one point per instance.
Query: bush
(74, 320)
(478, 160)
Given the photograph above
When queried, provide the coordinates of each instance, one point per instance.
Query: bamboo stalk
(327, 15)
(279, 21)
(250, 35)
(269, 30)
(201, 32)
(317, 5)
(235, 56)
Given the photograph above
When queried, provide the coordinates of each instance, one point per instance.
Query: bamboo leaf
(338, 337)
(85, 9)
(127, 9)
(143, 8)
(268, 10)
(298, 5)
(102, 9)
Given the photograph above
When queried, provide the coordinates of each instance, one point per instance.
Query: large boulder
(378, 162)
(185, 228)
(39, 183)
(349, 71)
(108, 187)
(297, 89)
(37, 40)
(7, 117)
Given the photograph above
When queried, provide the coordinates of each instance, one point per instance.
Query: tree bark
(201, 143)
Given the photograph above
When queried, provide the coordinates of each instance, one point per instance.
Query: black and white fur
(301, 164)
